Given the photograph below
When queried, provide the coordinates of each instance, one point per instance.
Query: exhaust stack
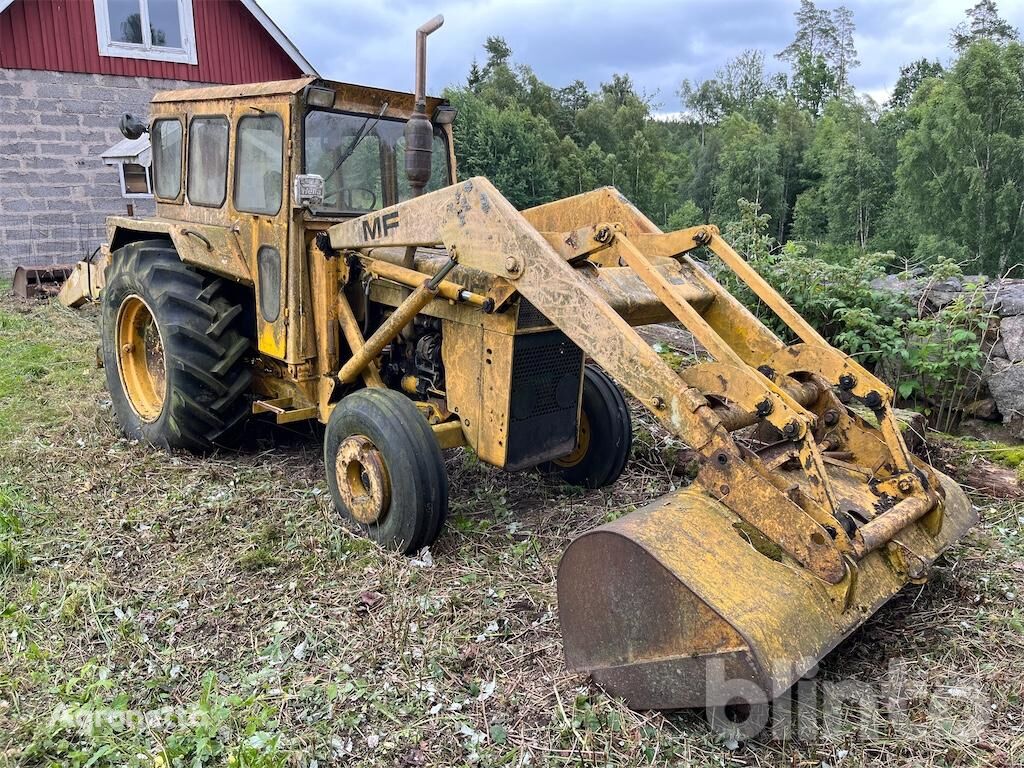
(419, 133)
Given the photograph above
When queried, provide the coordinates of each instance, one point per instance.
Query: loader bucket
(40, 282)
(677, 605)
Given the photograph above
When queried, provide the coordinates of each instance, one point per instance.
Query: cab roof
(350, 94)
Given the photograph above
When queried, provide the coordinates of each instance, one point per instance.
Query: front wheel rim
(364, 485)
(582, 445)
(141, 358)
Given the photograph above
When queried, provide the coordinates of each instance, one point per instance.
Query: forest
(933, 175)
(822, 189)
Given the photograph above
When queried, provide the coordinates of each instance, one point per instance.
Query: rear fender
(211, 248)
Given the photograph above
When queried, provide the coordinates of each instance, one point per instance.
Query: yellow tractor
(296, 268)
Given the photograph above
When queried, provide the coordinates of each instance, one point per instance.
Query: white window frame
(186, 21)
(124, 186)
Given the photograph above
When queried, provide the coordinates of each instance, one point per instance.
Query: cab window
(361, 160)
(166, 139)
(259, 164)
(208, 161)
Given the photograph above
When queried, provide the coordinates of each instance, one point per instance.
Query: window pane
(164, 23)
(125, 21)
(166, 138)
(136, 179)
(356, 184)
(438, 166)
(365, 179)
(258, 159)
(207, 160)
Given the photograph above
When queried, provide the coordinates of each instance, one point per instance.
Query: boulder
(1005, 297)
(985, 408)
(1011, 333)
(1007, 388)
(942, 293)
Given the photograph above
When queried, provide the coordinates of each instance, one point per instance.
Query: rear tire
(175, 350)
(606, 435)
(385, 471)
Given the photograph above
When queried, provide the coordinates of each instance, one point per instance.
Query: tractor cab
(245, 177)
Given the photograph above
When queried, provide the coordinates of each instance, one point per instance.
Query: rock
(985, 408)
(994, 366)
(911, 288)
(946, 292)
(1007, 388)
(1011, 333)
(1005, 297)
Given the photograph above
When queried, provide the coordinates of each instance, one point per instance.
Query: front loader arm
(483, 231)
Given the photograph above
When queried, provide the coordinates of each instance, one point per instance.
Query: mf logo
(379, 226)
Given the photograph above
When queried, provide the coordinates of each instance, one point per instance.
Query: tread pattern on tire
(205, 341)
(606, 458)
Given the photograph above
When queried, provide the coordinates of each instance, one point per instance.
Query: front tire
(605, 437)
(174, 349)
(385, 471)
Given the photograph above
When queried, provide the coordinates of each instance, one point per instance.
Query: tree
(749, 163)
(741, 85)
(703, 100)
(814, 83)
(983, 23)
(475, 77)
(499, 53)
(815, 33)
(792, 135)
(853, 187)
(844, 52)
(961, 165)
(910, 79)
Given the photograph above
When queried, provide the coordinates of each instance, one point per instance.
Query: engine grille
(529, 316)
(547, 370)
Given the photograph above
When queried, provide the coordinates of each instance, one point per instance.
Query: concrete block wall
(55, 191)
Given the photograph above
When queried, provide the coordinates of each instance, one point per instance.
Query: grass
(165, 610)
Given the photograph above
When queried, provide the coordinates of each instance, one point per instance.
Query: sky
(659, 43)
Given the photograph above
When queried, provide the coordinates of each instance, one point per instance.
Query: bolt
(847, 381)
(831, 417)
(512, 264)
(791, 430)
(767, 371)
(603, 234)
(659, 403)
(764, 408)
(905, 484)
(873, 400)
(127, 349)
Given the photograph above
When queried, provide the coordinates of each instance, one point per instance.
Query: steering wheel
(345, 198)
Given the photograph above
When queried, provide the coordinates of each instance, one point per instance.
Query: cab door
(260, 213)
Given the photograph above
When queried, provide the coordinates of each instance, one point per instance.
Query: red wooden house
(70, 68)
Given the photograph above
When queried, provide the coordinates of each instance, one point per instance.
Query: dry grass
(135, 580)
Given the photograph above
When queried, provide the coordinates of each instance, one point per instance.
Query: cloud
(658, 42)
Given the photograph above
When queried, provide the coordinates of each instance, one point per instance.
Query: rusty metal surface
(648, 600)
(40, 282)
